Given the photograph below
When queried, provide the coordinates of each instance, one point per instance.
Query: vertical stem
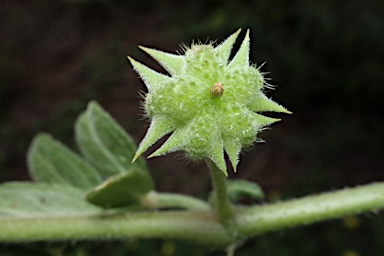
(231, 250)
(223, 207)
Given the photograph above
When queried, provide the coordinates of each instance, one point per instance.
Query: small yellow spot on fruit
(217, 89)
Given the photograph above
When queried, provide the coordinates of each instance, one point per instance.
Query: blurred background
(326, 58)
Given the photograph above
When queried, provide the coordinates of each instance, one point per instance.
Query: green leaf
(120, 190)
(26, 199)
(52, 162)
(104, 143)
(239, 189)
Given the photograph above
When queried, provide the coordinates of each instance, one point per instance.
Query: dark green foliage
(123, 189)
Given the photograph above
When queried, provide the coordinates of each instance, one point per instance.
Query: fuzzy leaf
(121, 190)
(26, 199)
(104, 143)
(51, 162)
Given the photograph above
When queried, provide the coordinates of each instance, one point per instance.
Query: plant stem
(231, 250)
(155, 200)
(198, 226)
(260, 219)
(223, 207)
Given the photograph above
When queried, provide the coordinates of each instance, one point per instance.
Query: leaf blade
(27, 199)
(104, 143)
(52, 162)
(121, 190)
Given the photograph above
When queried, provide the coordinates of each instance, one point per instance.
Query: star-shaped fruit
(208, 103)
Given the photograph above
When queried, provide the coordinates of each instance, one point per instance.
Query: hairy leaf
(52, 162)
(28, 199)
(120, 190)
(104, 143)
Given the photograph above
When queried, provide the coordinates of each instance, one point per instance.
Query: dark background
(327, 58)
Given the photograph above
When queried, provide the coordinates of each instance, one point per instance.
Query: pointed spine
(233, 148)
(263, 121)
(217, 157)
(159, 127)
(224, 49)
(174, 143)
(263, 103)
(151, 78)
(174, 64)
(241, 58)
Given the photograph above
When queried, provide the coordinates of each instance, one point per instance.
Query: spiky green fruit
(207, 103)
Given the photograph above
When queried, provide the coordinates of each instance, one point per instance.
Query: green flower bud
(209, 105)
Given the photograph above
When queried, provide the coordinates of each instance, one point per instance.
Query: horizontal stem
(200, 227)
(155, 200)
(260, 219)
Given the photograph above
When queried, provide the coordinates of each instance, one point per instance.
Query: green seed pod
(205, 120)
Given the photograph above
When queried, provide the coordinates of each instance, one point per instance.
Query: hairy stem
(198, 226)
(223, 207)
(310, 209)
(157, 200)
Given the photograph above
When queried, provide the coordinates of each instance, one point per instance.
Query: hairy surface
(208, 103)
